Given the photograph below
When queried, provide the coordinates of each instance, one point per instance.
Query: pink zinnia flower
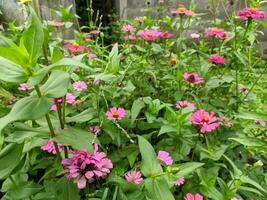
(194, 35)
(251, 13)
(190, 196)
(217, 59)
(165, 157)
(75, 48)
(184, 104)
(115, 113)
(128, 29)
(134, 177)
(193, 78)
(79, 86)
(83, 166)
(216, 32)
(55, 23)
(129, 37)
(150, 35)
(49, 147)
(24, 87)
(206, 121)
(70, 98)
(95, 130)
(183, 11)
(180, 181)
(91, 55)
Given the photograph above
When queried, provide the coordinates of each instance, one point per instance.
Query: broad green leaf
(57, 84)
(150, 165)
(136, 109)
(84, 116)
(33, 37)
(77, 138)
(212, 192)
(114, 61)
(10, 157)
(252, 116)
(246, 179)
(123, 184)
(158, 188)
(28, 108)
(187, 168)
(167, 129)
(4, 93)
(12, 72)
(13, 54)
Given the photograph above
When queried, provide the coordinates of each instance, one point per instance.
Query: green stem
(124, 132)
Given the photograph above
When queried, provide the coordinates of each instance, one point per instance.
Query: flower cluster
(79, 86)
(75, 48)
(24, 87)
(70, 99)
(134, 177)
(153, 35)
(216, 32)
(251, 13)
(85, 167)
(49, 147)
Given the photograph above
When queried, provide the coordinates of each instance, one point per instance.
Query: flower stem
(125, 133)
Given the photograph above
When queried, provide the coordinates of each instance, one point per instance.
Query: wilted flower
(180, 181)
(49, 147)
(251, 13)
(94, 32)
(185, 104)
(225, 121)
(79, 86)
(134, 177)
(193, 78)
(75, 48)
(194, 35)
(128, 29)
(115, 113)
(56, 23)
(91, 55)
(96, 82)
(95, 129)
(24, 87)
(165, 157)
(216, 32)
(166, 35)
(139, 19)
(12, 100)
(205, 120)
(183, 11)
(217, 59)
(83, 166)
(173, 61)
(190, 196)
(261, 122)
(150, 35)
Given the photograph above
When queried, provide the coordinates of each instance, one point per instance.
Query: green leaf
(252, 116)
(13, 54)
(246, 179)
(84, 116)
(28, 108)
(136, 109)
(24, 191)
(57, 84)
(212, 192)
(33, 38)
(187, 168)
(77, 138)
(150, 165)
(158, 188)
(113, 64)
(10, 157)
(12, 72)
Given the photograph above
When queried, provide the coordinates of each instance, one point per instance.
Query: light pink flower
(165, 157)
(129, 37)
(96, 82)
(56, 23)
(12, 100)
(49, 147)
(185, 104)
(70, 98)
(217, 59)
(91, 55)
(83, 166)
(128, 29)
(139, 19)
(75, 48)
(95, 129)
(193, 78)
(180, 181)
(24, 87)
(150, 35)
(190, 196)
(183, 11)
(205, 120)
(94, 32)
(225, 121)
(115, 113)
(251, 13)
(216, 32)
(161, 1)
(134, 177)
(194, 35)
(79, 86)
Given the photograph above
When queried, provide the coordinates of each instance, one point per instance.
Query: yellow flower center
(23, 1)
(182, 9)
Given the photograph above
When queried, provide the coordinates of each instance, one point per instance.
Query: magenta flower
(251, 13)
(185, 104)
(134, 177)
(180, 181)
(83, 167)
(75, 48)
(79, 86)
(217, 59)
(193, 78)
(165, 157)
(95, 130)
(49, 147)
(91, 55)
(150, 35)
(128, 29)
(216, 32)
(70, 99)
(129, 37)
(183, 12)
(24, 87)
(115, 113)
(55, 23)
(190, 196)
(206, 121)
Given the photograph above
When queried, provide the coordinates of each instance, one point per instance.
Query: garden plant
(163, 113)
